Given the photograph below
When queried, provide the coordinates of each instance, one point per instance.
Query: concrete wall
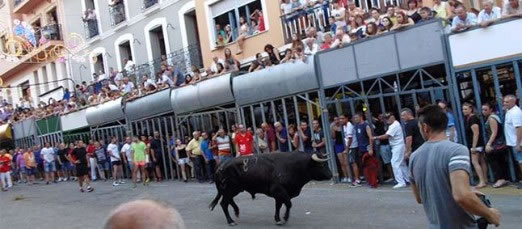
(135, 29)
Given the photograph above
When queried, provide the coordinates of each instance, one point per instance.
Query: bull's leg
(224, 205)
(288, 205)
(278, 205)
(236, 208)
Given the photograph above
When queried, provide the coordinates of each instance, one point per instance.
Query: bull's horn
(316, 158)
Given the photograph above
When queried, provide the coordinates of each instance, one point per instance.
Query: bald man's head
(140, 214)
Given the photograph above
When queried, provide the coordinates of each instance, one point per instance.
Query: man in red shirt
(5, 170)
(244, 142)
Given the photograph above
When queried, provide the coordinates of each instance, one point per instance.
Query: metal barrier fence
(117, 12)
(91, 28)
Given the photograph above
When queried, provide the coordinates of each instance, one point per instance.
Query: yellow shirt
(194, 146)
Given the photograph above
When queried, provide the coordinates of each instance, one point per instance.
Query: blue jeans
(211, 168)
(49, 167)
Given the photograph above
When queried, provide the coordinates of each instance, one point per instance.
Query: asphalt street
(320, 205)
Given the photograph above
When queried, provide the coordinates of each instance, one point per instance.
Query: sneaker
(47, 182)
(81, 190)
(121, 182)
(358, 182)
(64, 179)
(90, 189)
(344, 180)
(349, 180)
(355, 184)
(115, 183)
(147, 180)
(399, 186)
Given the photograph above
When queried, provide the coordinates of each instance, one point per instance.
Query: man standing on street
(48, 156)
(223, 144)
(413, 138)
(244, 142)
(513, 128)
(440, 171)
(79, 158)
(138, 156)
(155, 146)
(113, 151)
(395, 137)
(364, 136)
(195, 154)
(126, 151)
(210, 162)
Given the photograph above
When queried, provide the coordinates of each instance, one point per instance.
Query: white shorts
(183, 161)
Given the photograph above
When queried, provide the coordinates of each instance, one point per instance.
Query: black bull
(278, 175)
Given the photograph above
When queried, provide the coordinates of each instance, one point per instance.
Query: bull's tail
(214, 202)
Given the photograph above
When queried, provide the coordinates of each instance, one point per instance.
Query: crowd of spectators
(226, 35)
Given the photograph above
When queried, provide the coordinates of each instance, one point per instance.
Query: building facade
(31, 69)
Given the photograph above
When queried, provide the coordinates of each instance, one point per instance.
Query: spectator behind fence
(413, 11)
(496, 149)
(464, 20)
(513, 128)
(273, 54)
(402, 21)
(475, 142)
(440, 173)
(512, 9)
(489, 14)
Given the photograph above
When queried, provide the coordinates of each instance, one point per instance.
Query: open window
(227, 19)
(125, 51)
(99, 63)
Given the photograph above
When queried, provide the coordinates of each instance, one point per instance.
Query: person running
(114, 153)
(182, 158)
(5, 170)
(439, 176)
(138, 156)
(30, 165)
(48, 157)
(79, 158)
(100, 161)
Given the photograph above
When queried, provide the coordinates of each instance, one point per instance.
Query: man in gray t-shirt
(439, 174)
(430, 167)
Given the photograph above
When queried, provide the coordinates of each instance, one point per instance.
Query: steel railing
(297, 22)
(52, 32)
(149, 3)
(117, 12)
(91, 28)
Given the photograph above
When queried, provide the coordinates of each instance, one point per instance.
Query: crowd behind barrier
(346, 23)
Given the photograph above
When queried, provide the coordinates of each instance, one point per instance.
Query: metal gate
(488, 83)
(165, 126)
(105, 133)
(209, 121)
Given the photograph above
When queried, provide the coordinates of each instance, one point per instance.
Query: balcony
(91, 28)
(49, 40)
(24, 6)
(117, 12)
(296, 23)
(148, 3)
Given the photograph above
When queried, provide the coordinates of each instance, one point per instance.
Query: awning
(276, 81)
(205, 94)
(6, 132)
(148, 106)
(74, 120)
(105, 113)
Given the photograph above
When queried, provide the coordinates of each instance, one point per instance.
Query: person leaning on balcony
(441, 8)
(488, 14)
(311, 48)
(231, 61)
(426, 14)
(513, 9)
(273, 54)
(402, 21)
(215, 62)
(257, 64)
(463, 20)
(289, 56)
(341, 39)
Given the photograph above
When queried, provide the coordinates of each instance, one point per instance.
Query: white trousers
(5, 178)
(94, 166)
(400, 170)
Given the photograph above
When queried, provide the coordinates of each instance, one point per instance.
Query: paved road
(320, 205)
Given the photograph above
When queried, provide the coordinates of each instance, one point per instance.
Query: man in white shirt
(352, 149)
(341, 39)
(513, 128)
(127, 86)
(48, 156)
(114, 153)
(396, 140)
(215, 62)
(149, 84)
(166, 80)
(126, 151)
(129, 65)
(489, 14)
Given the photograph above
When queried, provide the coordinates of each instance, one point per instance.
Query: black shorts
(116, 163)
(81, 170)
(354, 155)
(58, 166)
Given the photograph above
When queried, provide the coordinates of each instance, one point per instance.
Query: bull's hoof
(281, 223)
(232, 224)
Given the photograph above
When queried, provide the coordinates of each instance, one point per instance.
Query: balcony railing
(17, 2)
(117, 12)
(91, 28)
(52, 32)
(149, 3)
(182, 59)
(297, 22)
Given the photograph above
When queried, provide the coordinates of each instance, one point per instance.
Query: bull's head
(320, 169)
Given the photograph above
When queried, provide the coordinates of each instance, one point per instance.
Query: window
(228, 17)
(3, 45)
